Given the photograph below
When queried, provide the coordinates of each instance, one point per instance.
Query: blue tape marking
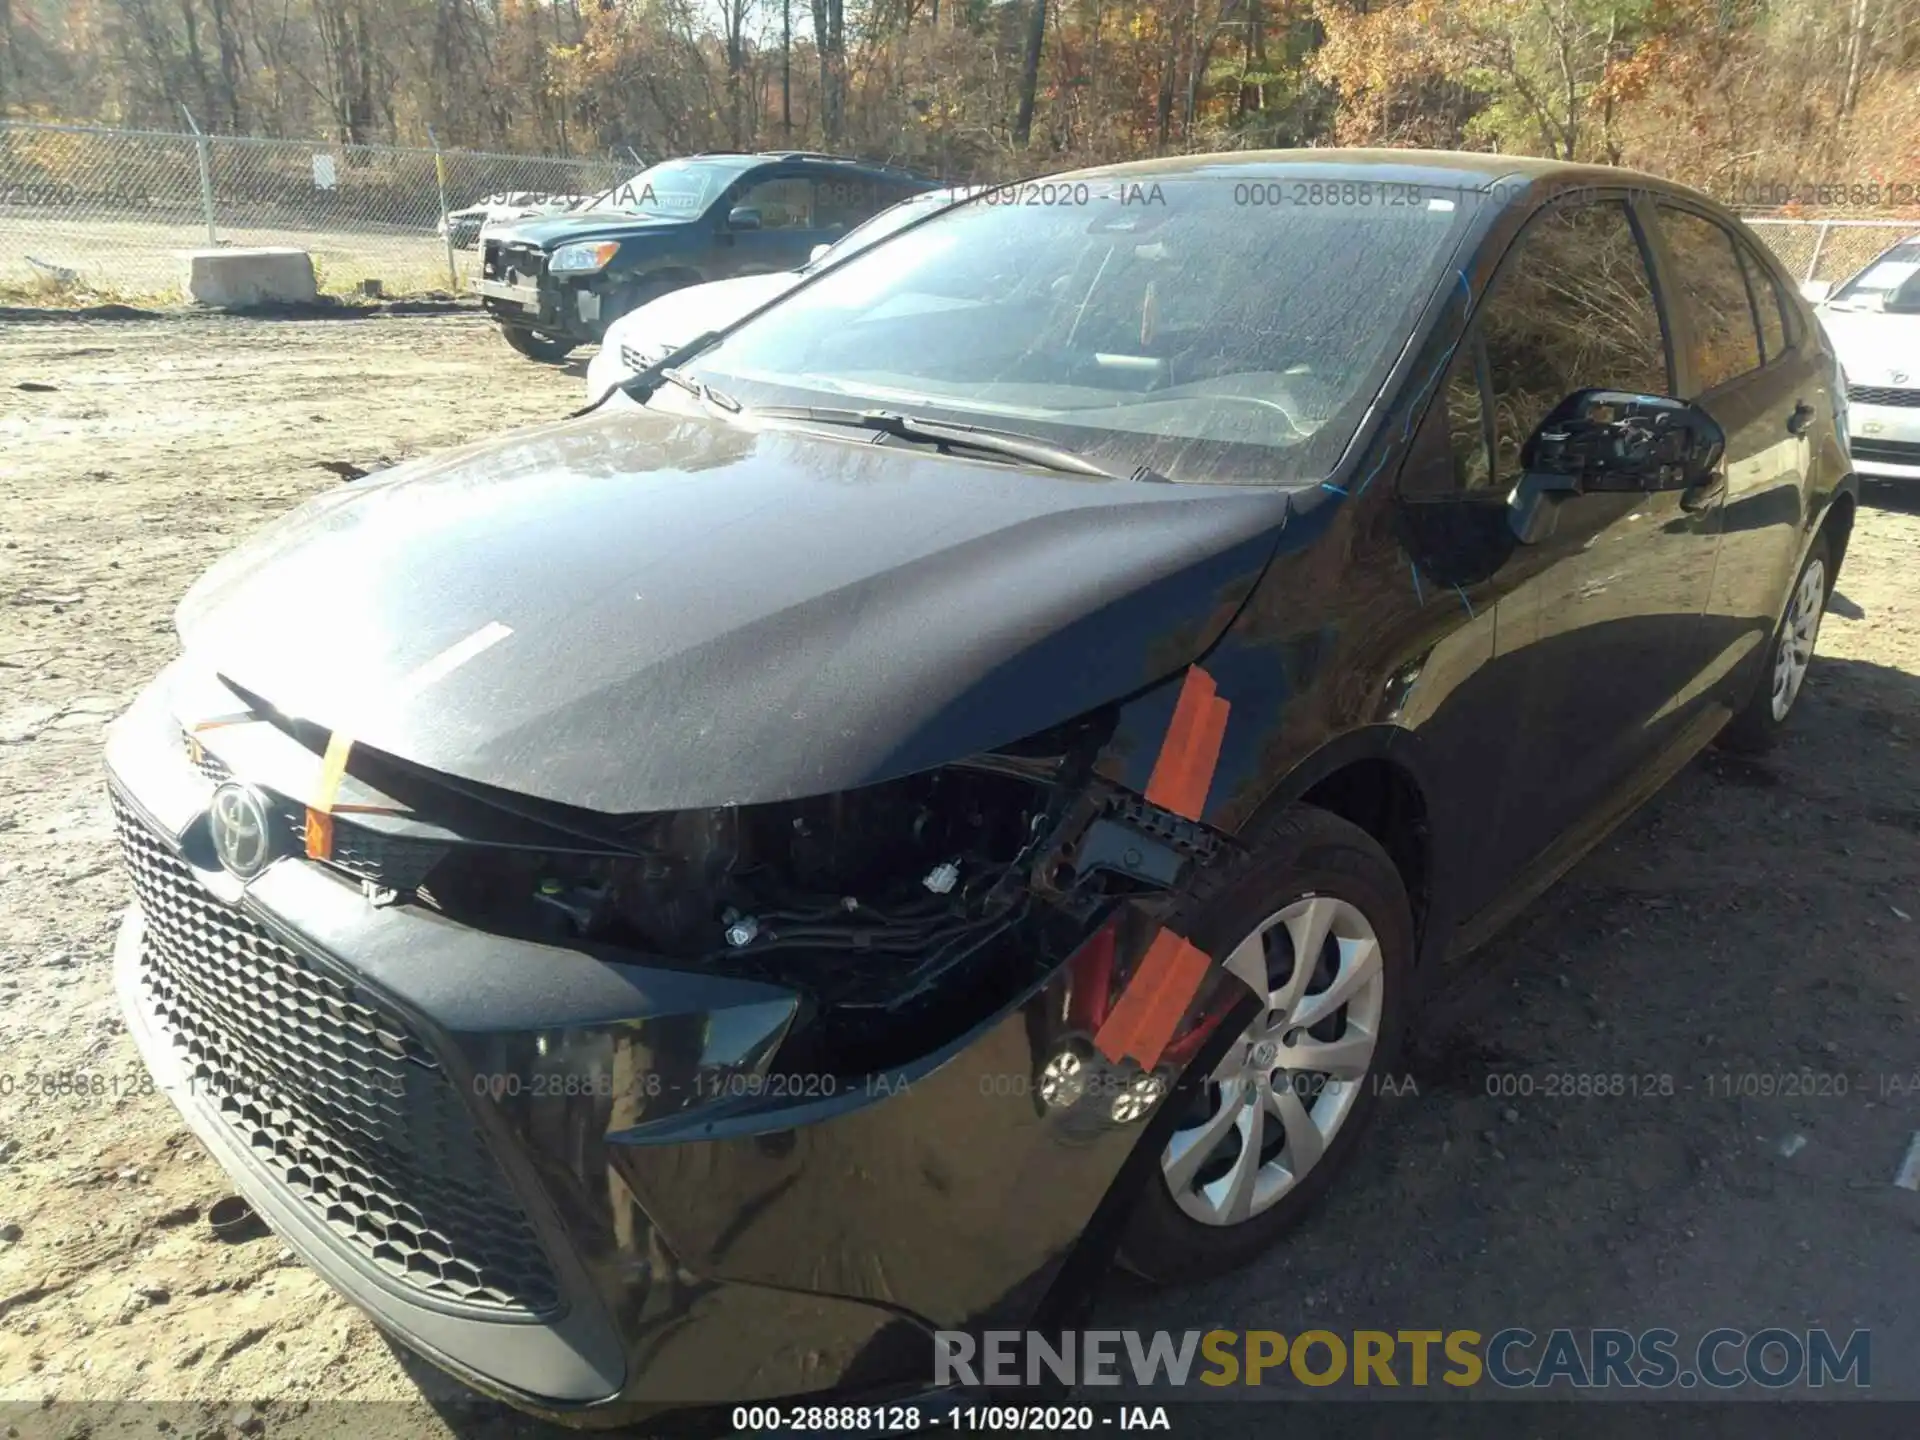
(1332, 488)
(1420, 390)
(1464, 601)
(1414, 570)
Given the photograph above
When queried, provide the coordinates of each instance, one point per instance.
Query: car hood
(638, 611)
(1874, 346)
(547, 231)
(680, 315)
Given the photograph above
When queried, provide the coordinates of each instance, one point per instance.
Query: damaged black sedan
(971, 778)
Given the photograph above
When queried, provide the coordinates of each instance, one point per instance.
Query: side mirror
(817, 254)
(1611, 442)
(743, 217)
(1816, 290)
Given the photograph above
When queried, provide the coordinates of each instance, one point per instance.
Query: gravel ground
(1755, 920)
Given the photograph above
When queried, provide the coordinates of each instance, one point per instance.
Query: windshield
(680, 189)
(894, 217)
(1891, 283)
(1210, 328)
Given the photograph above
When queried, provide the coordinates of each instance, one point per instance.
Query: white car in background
(1873, 321)
(642, 336)
(463, 226)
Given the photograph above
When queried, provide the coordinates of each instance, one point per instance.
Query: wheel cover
(1797, 634)
(1270, 1109)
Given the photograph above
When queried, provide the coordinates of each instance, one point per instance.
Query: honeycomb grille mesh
(1883, 395)
(210, 766)
(333, 1091)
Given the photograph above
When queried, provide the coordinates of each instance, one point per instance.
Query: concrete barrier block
(234, 279)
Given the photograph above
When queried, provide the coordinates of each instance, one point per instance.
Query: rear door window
(1708, 277)
(1769, 306)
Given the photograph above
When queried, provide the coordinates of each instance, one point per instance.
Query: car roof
(745, 159)
(1455, 169)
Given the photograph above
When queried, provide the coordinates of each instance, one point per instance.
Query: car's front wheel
(1322, 931)
(1757, 728)
(537, 345)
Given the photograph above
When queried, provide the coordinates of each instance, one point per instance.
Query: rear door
(1743, 364)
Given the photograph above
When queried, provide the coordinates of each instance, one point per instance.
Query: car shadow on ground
(465, 1411)
(1900, 496)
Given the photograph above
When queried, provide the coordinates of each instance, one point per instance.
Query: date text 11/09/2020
(961, 1418)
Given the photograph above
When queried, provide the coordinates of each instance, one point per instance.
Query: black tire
(1305, 853)
(1758, 727)
(536, 345)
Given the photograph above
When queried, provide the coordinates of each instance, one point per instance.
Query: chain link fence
(1830, 250)
(90, 209)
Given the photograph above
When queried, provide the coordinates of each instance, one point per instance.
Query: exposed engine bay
(883, 868)
(879, 904)
(883, 905)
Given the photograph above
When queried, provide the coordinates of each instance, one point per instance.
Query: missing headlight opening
(887, 906)
(844, 870)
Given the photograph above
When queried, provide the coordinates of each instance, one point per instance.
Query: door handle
(1800, 419)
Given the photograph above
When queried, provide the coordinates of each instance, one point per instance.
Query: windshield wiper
(911, 428)
(642, 383)
(700, 388)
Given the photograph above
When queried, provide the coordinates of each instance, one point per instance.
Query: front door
(770, 224)
(1605, 631)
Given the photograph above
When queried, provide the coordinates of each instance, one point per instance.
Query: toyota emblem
(242, 829)
(1898, 377)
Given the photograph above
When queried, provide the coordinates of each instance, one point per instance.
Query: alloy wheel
(1802, 628)
(1272, 1106)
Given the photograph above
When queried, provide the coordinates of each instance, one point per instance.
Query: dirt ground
(1755, 920)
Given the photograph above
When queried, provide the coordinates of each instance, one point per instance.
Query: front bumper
(516, 288)
(1884, 440)
(570, 1180)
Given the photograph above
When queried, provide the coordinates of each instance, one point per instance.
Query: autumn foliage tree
(1721, 92)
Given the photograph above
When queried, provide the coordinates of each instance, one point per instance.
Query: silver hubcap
(1797, 636)
(1271, 1107)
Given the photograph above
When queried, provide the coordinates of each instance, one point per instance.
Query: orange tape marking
(1148, 1011)
(319, 834)
(1183, 772)
(332, 769)
(220, 721)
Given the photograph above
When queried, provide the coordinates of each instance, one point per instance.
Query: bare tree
(733, 20)
(1030, 73)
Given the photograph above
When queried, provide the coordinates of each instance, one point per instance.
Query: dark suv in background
(555, 281)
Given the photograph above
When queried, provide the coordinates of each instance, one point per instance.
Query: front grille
(333, 1091)
(210, 766)
(1883, 395)
(519, 264)
(398, 862)
(1890, 452)
(636, 360)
